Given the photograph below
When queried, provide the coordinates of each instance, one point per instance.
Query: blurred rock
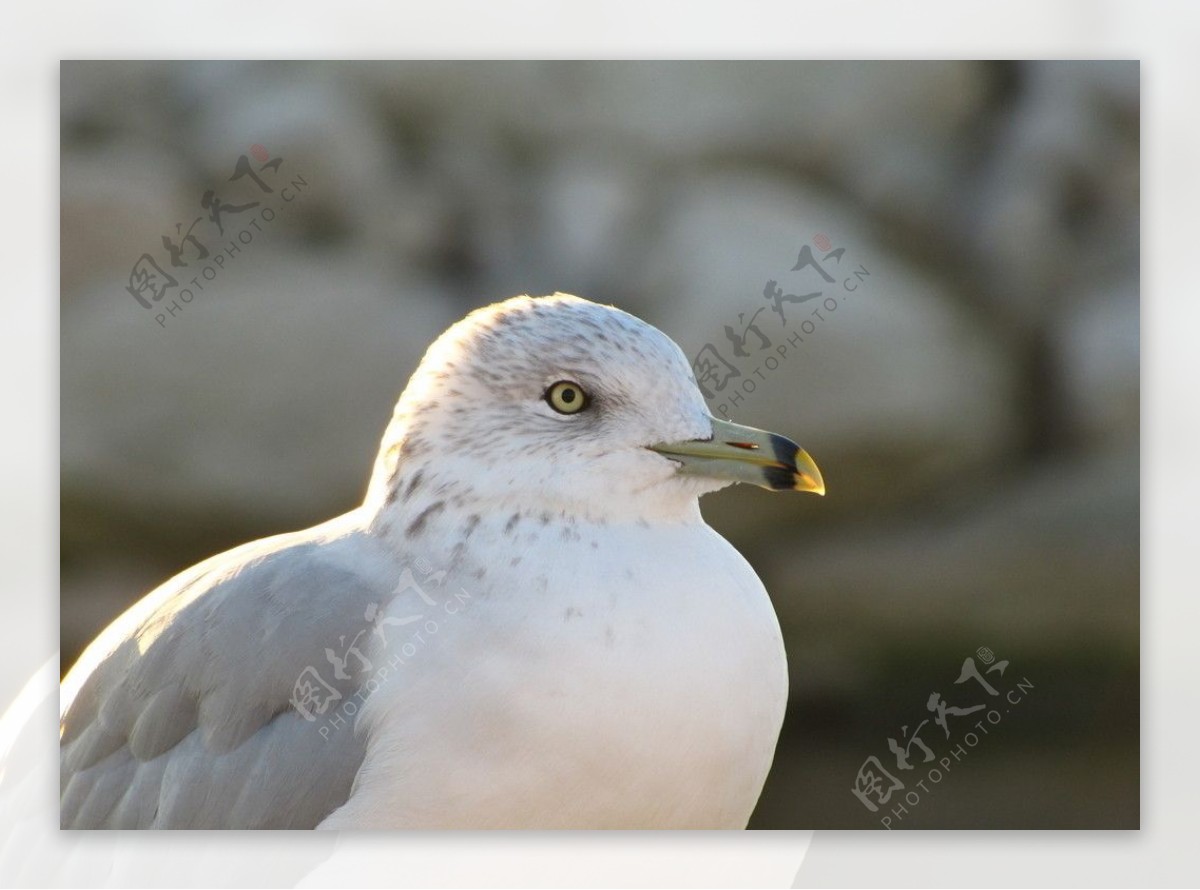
(1049, 560)
(128, 101)
(812, 111)
(1099, 343)
(895, 391)
(118, 201)
(585, 222)
(505, 96)
(263, 401)
(1060, 190)
(821, 117)
(324, 132)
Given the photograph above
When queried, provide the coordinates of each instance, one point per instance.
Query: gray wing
(181, 714)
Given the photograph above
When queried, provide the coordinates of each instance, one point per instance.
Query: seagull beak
(743, 454)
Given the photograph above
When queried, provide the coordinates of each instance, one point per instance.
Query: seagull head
(561, 404)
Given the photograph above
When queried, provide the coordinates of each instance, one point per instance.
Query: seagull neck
(417, 508)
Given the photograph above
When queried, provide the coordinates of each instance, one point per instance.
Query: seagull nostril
(749, 446)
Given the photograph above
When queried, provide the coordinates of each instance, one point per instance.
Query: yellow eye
(566, 397)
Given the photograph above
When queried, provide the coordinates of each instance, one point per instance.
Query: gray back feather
(187, 721)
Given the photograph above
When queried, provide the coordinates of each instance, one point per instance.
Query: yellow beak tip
(807, 476)
(807, 483)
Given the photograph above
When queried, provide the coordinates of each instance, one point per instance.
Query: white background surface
(1164, 35)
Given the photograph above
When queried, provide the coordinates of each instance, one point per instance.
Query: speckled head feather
(474, 421)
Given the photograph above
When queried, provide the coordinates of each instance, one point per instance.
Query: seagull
(526, 624)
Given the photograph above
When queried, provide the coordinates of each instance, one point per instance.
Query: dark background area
(973, 403)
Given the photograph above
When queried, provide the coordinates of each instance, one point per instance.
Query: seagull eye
(566, 397)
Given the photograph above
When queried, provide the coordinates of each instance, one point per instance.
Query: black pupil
(567, 395)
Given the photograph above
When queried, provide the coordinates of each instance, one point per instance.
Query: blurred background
(972, 402)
